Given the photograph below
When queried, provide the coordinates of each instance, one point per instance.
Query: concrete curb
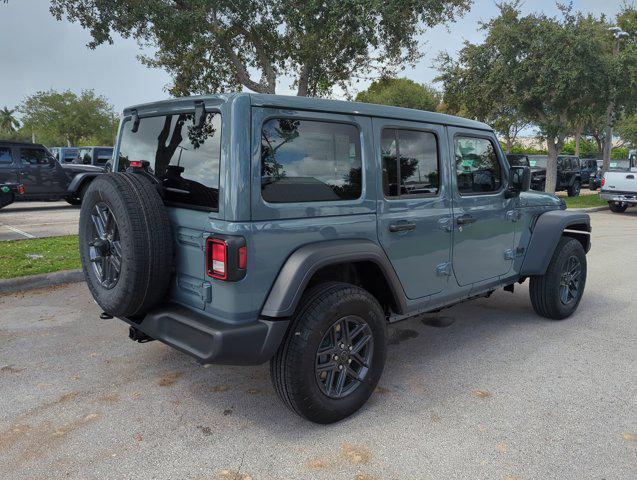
(33, 282)
(589, 209)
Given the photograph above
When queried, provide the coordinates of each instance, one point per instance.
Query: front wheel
(617, 207)
(573, 190)
(333, 355)
(557, 293)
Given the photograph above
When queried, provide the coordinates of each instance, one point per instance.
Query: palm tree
(8, 123)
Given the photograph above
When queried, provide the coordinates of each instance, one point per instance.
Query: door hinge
(513, 215)
(206, 292)
(444, 269)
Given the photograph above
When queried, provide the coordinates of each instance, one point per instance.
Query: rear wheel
(617, 207)
(557, 293)
(333, 355)
(573, 190)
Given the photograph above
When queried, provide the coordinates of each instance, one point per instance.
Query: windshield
(538, 161)
(183, 156)
(70, 154)
(103, 155)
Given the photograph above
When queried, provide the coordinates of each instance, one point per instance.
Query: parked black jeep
(42, 176)
(569, 176)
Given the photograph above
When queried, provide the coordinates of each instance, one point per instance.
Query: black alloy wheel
(105, 248)
(344, 356)
(570, 281)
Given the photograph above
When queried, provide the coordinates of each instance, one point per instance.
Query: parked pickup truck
(248, 228)
(619, 188)
(43, 177)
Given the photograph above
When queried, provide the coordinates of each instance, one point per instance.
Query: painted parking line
(18, 231)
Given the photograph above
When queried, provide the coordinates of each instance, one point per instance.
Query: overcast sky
(39, 53)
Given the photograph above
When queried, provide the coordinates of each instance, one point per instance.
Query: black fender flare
(79, 179)
(299, 268)
(547, 231)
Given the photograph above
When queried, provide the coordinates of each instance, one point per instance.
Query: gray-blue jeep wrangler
(247, 228)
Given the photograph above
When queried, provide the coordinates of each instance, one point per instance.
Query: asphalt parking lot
(22, 220)
(485, 390)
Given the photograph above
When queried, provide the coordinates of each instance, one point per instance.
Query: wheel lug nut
(340, 367)
(349, 360)
(342, 345)
(351, 348)
(335, 357)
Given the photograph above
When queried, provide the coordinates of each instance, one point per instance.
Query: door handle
(465, 219)
(402, 226)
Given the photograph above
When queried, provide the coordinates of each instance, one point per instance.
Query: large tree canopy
(214, 45)
(550, 71)
(401, 92)
(64, 118)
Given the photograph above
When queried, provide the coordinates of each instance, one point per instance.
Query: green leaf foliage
(64, 118)
(217, 45)
(401, 92)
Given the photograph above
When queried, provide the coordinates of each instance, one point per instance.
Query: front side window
(5, 155)
(35, 156)
(184, 156)
(477, 166)
(412, 157)
(308, 161)
(70, 155)
(85, 156)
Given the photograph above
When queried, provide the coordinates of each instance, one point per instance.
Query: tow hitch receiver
(138, 336)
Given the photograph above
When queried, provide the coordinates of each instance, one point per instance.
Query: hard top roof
(318, 104)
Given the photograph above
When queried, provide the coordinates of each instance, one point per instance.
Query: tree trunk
(303, 82)
(509, 144)
(608, 146)
(32, 136)
(551, 166)
(578, 138)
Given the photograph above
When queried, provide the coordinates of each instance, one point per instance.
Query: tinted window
(5, 155)
(70, 155)
(477, 166)
(413, 157)
(35, 156)
(182, 155)
(307, 161)
(103, 155)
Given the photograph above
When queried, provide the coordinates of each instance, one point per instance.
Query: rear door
(414, 206)
(483, 218)
(40, 173)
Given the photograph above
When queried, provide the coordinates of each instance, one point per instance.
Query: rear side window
(5, 155)
(35, 156)
(70, 155)
(477, 166)
(85, 155)
(308, 161)
(183, 156)
(411, 156)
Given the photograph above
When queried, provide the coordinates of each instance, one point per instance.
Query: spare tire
(126, 245)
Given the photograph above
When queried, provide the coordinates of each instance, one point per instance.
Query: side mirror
(519, 180)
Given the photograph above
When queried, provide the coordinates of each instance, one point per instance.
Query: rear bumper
(210, 340)
(623, 197)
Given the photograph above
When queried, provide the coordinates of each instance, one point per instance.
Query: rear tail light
(226, 257)
(21, 189)
(218, 262)
(603, 181)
